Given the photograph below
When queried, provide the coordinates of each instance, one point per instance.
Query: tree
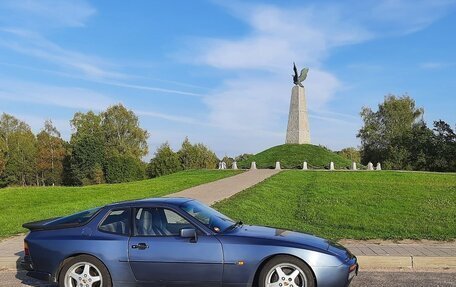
(351, 153)
(122, 132)
(243, 157)
(228, 160)
(444, 157)
(123, 168)
(87, 156)
(196, 156)
(100, 141)
(18, 149)
(86, 125)
(2, 162)
(165, 161)
(419, 145)
(51, 151)
(383, 131)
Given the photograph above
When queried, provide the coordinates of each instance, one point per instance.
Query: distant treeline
(104, 148)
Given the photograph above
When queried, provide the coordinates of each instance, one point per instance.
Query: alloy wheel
(83, 274)
(286, 275)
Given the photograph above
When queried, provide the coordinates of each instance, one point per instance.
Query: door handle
(140, 246)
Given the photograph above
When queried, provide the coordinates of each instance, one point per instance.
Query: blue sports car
(178, 242)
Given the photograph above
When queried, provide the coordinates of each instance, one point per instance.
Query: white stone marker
(253, 165)
(234, 166)
(277, 165)
(298, 123)
(379, 166)
(331, 166)
(304, 166)
(370, 166)
(220, 165)
(354, 166)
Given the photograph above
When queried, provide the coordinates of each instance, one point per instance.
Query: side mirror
(189, 233)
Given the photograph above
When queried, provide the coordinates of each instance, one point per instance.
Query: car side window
(159, 222)
(116, 222)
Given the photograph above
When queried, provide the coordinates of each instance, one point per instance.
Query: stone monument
(298, 123)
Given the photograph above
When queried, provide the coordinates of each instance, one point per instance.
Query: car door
(159, 256)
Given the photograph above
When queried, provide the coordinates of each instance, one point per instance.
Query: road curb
(411, 263)
(9, 262)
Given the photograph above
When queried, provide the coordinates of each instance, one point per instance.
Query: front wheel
(286, 271)
(84, 271)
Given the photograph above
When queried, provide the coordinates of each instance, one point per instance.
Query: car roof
(155, 200)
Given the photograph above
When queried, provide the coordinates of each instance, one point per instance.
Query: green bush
(197, 156)
(87, 154)
(165, 162)
(123, 168)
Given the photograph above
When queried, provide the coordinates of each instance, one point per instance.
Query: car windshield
(208, 216)
(77, 218)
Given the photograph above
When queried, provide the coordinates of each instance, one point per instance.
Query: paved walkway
(401, 248)
(212, 192)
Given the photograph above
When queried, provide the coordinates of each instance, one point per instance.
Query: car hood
(296, 238)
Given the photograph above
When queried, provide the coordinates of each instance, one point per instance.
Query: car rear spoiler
(42, 225)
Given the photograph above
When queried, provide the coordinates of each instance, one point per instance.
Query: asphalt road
(371, 279)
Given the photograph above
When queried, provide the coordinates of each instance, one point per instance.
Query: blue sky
(220, 71)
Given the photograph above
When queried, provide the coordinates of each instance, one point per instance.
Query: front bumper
(353, 272)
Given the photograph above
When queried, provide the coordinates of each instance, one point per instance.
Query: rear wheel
(84, 271)
(286, 271)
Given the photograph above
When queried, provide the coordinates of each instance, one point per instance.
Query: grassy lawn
(293, 156)
(20, 205)
(357, 205)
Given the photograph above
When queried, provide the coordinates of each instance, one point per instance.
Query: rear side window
(117, 222)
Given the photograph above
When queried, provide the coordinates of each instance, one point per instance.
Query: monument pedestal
(298, 122)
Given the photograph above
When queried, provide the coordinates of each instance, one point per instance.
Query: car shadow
(22, 275)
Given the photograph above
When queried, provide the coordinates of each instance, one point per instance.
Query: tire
(86, 270)
(295, 273)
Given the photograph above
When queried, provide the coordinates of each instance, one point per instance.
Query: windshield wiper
(239, 223)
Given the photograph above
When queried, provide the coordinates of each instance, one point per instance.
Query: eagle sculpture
(298, 80)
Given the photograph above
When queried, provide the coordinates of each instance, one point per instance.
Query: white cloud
(434, 65)
(280, 36)
(34, 45)
(71, 13)
(404, 16)
(68, 97)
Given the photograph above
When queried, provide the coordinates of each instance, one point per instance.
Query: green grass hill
(293, 156)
